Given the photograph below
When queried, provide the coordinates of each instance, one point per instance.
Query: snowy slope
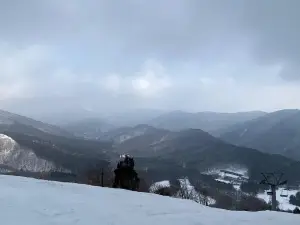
(11, 154)
(36, 202)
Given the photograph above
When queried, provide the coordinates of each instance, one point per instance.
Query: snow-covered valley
(37, 202)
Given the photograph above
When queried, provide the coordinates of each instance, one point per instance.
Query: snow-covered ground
(231, 168)
(283, 201)
(223, 181)
(37, 202)
(237, 187)
(225, 175)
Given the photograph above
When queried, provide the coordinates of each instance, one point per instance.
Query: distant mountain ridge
(92, 128)
(159, 152)
(210, 122)
(275, 133)
(31, 145)
(47, 152)
(12, 122)
(195, 151)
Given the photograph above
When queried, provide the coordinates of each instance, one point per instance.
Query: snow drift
(36, 202)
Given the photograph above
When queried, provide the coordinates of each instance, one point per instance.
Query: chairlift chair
(284, 193)
(269, 192)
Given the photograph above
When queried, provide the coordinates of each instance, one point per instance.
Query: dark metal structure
(274, 180)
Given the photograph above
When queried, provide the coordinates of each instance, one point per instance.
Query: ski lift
(269, 192)
(284, 193)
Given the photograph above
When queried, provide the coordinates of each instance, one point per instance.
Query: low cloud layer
(116, 55)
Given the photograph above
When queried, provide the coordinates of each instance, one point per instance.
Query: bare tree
(186, 191)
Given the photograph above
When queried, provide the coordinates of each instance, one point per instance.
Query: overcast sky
(107, 55)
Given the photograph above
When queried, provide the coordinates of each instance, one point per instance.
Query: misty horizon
(119, 56)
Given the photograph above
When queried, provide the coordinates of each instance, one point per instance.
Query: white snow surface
(237, 187)
(231, 168)
(228, 178)
(223, 181)
(283, 201)
(229, 175)
(28, 201)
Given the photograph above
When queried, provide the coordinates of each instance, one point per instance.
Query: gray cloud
(274, 26)
(172, 54)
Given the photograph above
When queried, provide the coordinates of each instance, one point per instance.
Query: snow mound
(36, 202)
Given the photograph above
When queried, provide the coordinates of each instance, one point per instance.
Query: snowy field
(36, 202)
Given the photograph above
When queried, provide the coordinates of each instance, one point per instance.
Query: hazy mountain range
(209, 121)
(276, 133)
(32, 145)
(166, 145)
(175, 121)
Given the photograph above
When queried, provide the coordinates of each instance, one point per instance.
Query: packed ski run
(29, 201)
